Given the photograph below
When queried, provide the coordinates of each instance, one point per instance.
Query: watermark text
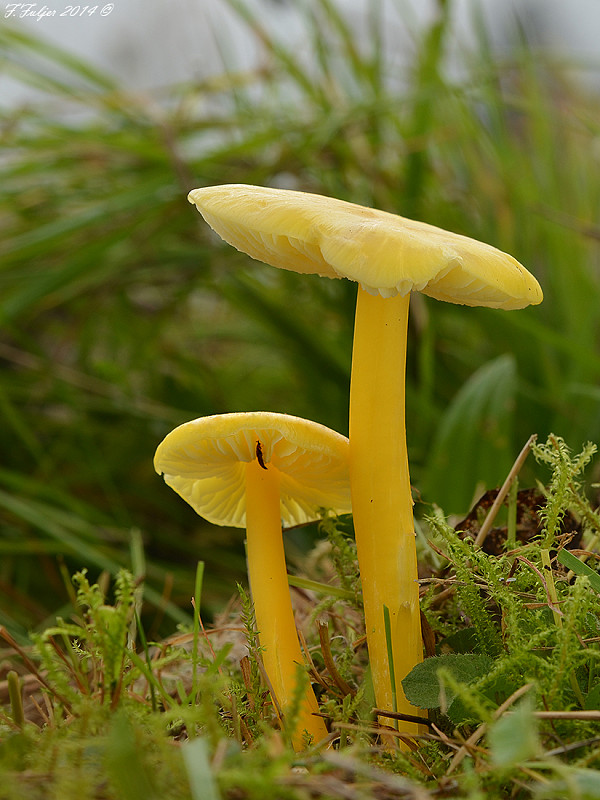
(38, 12)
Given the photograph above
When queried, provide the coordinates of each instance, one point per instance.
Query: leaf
(422, 686)
(588, 783)
(577, 566)
(197, 765)
(513, 738)
(475, 431)
(584, 784)
(125, 764)
(592, 700)
(462, 641)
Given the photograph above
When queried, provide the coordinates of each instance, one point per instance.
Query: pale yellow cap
(385, 253)
(203, 461)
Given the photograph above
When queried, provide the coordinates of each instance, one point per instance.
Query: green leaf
(197, 765)
(584, 784)
(474, 431)
(588, 783)
(461, 641)
(422, 686)
(577, 566)
(592, 700)
(513, 738)
(125, 763)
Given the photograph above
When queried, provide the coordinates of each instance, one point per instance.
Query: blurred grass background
(122, 316)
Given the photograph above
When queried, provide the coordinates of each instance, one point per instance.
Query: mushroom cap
(385, 253)
(204, 462)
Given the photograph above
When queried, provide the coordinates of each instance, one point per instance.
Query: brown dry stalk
(581, 715)
(504, 489)
(328, 659)
(32, 667)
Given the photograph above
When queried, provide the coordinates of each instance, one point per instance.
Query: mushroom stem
(381, 494)
(271, 596)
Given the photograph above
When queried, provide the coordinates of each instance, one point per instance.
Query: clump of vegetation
(511, 682)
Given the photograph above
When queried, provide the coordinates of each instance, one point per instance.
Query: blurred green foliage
(123, 316)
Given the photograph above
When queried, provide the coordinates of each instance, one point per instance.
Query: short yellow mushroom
(258, 470)
(390, 257)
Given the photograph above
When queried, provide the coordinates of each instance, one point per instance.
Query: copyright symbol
(105, 10)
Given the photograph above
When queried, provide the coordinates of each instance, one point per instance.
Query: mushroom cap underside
(385, 253)
(204, 462)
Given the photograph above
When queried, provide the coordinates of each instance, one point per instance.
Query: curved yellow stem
(381, 495)
(271, 597)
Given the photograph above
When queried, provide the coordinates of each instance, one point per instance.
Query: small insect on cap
(385, 253)
(204, 462)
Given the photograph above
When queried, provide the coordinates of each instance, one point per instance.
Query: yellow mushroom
(260, 470)
(390, 257)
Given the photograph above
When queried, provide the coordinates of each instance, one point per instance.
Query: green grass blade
(577, 566)
(197, 764)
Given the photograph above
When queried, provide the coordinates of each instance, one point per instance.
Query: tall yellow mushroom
(257, 470)
(389, 257)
